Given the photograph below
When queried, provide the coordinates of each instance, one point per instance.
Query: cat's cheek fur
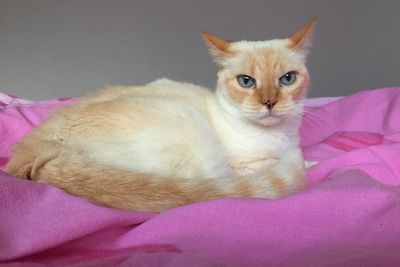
(299, 91)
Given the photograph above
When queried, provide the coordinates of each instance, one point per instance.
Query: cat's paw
(289, 173)
(309, 164)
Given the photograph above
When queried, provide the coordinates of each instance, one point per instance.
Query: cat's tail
(139, 191)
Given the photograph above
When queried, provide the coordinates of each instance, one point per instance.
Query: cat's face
(263, 81)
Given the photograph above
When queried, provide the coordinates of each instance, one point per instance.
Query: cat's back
(164, 90)
(154, 103)
(157, 101)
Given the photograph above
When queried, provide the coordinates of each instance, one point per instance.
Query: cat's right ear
(219, 47)
(301, 40)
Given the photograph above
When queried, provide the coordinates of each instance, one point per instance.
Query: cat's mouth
(269, 119)
(265, 117)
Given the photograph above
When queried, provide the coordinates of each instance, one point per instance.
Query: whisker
(318, 122)
(314, 117)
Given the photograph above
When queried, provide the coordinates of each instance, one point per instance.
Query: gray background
(52, 48)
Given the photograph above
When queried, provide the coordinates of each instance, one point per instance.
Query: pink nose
(270, 104)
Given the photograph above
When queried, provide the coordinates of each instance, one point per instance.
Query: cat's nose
(270, 104)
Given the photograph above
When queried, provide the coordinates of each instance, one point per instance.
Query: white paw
(309, 164)
(292, 157)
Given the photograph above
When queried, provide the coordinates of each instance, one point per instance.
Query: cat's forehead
(277, 50)
(251, 46)
(261, 55)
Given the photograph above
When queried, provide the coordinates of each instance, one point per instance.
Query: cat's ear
(300, 41)
(219, 47)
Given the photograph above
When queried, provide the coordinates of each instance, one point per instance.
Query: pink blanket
(349, 216)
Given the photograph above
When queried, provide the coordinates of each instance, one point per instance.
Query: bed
(348, 216)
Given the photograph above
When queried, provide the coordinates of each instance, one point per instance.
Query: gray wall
(59, 48)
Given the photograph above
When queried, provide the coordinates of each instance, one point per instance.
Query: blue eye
(246, 81)
(288, 79)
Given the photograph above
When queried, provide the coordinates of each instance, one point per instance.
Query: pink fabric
(349, 216)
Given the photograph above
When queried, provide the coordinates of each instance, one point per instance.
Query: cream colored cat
(167, 143)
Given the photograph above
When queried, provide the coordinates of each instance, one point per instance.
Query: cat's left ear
(300, 41)
(219, 47)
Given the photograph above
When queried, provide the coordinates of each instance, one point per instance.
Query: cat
(166, 144)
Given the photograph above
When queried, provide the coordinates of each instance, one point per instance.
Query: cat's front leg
(254, 167)
(260, 166)
(288, 175)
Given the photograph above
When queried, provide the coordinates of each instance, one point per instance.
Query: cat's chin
(269, 120)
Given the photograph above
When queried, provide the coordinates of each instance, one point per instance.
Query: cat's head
(262, 81)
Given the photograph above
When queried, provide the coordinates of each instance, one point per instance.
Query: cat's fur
(167, 143)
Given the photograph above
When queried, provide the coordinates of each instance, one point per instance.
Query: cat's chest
(253, 146)
(256, 149)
